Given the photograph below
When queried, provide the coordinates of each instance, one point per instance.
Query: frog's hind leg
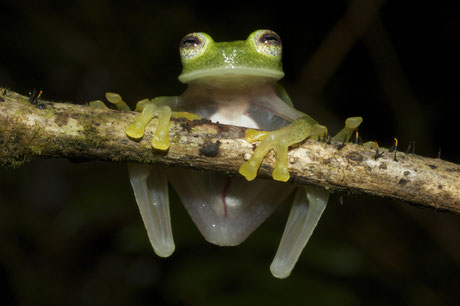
(309, 204)
(150, 187)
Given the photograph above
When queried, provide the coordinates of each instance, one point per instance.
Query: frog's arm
(282, 94)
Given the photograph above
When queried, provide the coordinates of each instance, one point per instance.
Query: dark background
(71, 234)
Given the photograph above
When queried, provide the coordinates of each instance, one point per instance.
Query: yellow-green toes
(270, 140)
(186, 115)
(113, 98)
(351, 124)
(279, 141)
(116, 99)
(150, 110)
(97, 104)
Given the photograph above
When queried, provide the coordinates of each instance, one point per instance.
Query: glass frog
(233, 83)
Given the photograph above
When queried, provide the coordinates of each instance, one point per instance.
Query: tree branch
(44, 129)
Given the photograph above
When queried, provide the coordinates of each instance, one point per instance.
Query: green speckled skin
(232, 56)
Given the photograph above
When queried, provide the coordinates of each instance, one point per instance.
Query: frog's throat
(240, 73)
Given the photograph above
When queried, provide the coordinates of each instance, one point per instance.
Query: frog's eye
(193, 45)
(267, 42)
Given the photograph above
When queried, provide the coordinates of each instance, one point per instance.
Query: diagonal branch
(62, 130)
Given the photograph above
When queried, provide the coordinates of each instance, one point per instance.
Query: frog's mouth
(230, 73)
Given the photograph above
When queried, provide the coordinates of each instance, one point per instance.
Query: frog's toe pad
(97, 104)
(160, 143)
(116, 99)
(353, 122)
(249, 169)
(135, 130)
(281, 174)
(252, 135)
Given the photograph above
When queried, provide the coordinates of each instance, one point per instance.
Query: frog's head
(257, 57)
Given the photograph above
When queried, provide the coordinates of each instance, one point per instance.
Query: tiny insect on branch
(32, 128)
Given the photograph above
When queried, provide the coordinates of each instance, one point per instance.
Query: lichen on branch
(34, 128)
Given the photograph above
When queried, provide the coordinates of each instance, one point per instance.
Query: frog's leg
(309, 204)
(150, 187)
(151, 192)
(279, 140)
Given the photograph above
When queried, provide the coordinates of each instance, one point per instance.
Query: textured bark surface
(31, 128)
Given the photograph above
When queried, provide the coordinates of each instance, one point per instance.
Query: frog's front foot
(161, 109)
(279, 141)
(150, 109)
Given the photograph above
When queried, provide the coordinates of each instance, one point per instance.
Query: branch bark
(43, 129)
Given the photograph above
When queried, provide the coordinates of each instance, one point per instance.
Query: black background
(71, 233)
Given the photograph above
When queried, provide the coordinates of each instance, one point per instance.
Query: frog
(233, 83)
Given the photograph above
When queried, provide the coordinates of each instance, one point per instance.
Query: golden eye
(192, 45)
(267, 42)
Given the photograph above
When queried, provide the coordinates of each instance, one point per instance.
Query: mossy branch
(31, 129)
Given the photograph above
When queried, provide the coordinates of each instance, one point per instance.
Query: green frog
(234, 83)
